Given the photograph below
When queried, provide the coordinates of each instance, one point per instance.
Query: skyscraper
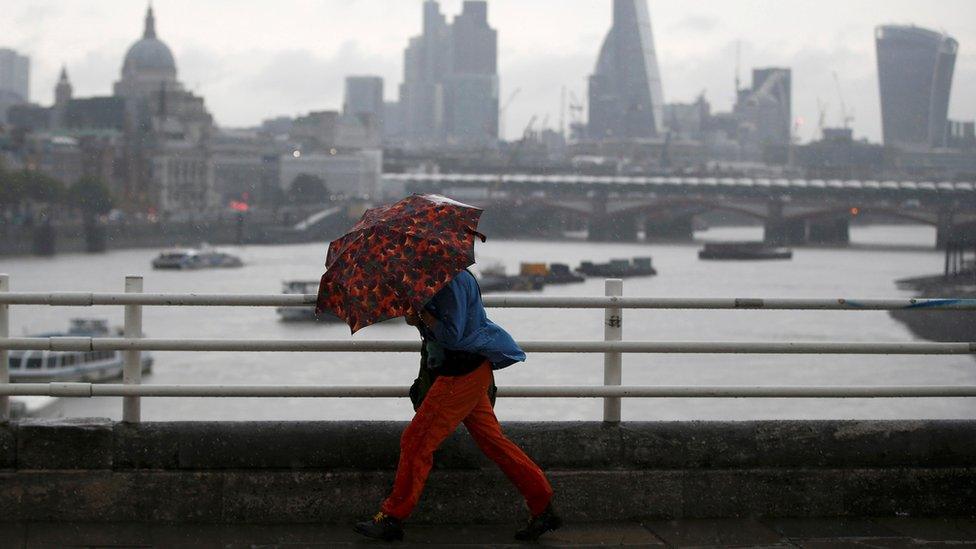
(766, 107)
(915, 78)
(363, 107)
(15, 73)
(14, 81)
(425, 61)
(364, 95)
(626, 101)
(449, 92)
(471, 86)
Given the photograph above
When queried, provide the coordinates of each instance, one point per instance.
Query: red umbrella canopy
(396, 258)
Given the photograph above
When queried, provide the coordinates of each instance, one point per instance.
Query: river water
(864, 270)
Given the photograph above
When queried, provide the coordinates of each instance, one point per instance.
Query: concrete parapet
(96, 470)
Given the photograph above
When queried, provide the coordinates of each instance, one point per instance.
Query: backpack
(427, 376)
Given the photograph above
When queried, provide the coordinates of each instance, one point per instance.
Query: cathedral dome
(150, 54)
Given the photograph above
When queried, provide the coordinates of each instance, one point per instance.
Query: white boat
(47, 366)
(33, 406)
(307, 312)
(204, 257)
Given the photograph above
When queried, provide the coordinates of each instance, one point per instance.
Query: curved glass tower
(625, 95)
(915, 76)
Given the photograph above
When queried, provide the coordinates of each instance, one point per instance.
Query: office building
(14, 81)
(364, 95)
(766, 107)
(449, 94)
(915, 68)
(626, 100)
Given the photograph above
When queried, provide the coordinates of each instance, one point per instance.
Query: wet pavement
(780, 532)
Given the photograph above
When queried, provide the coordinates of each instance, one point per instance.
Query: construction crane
(516, 148)
(575, 109)
(822, 116)
(501, 111)
(843, 107)
(527, 132)
(575, 117)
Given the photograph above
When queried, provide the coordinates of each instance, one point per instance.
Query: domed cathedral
(169, 168)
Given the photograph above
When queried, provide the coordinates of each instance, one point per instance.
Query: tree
(11, 191)
(41, 187)
(307, 188)
(91, 196)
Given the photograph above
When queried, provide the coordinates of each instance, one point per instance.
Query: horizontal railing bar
(544, 302)
(402, 346)
(87, 299)
(565, 391)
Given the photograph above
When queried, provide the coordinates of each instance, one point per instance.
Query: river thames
(879, 255)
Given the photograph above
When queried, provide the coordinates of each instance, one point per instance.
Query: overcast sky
(254, 59)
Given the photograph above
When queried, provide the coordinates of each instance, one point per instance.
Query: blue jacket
(462, 324)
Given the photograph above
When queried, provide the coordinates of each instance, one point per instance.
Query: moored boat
(304, 313)
(618, 268)
(743, 250)
(554, 273)
(88, 366)
(494, 279)
(195, 258)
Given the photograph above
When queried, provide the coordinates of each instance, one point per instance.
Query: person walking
(462, 348)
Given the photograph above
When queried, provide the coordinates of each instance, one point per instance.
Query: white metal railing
(132, 344)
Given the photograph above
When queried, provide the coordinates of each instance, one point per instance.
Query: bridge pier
(780, 232)
(669, 229)
(45, 240)
(95, 236)
(944, 229)
(836, 230)
(609, 228)
(797, 232)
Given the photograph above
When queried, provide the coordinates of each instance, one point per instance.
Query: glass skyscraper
(626, 101)
(915, 76)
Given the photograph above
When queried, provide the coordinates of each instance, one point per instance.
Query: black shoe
(381, 526)
(540, 524)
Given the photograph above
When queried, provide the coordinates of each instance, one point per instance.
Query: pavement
(818, 533)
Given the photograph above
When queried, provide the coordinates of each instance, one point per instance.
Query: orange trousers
(450, 401)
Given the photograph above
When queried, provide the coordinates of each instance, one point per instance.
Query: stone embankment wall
(97, 470)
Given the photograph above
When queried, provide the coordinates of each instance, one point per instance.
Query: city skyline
(261, 64)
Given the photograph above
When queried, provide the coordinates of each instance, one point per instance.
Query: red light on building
(855, 210)
(239, 206)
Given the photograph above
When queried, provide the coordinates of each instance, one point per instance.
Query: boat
(203, 257)
(303, 313)
(494, 279)
(560, 273)
(88, 366)
(32, 406)
(618, 268)
(554, 273)
(743, 250)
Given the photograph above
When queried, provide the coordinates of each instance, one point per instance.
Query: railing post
(4, 361)
(132, 370)
(612, 331)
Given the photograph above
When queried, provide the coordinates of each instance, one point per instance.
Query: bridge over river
(619, 208)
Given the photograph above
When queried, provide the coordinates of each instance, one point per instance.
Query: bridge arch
(854, 211)
(701, 205)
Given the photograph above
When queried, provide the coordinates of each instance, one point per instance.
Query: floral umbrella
(396, 258)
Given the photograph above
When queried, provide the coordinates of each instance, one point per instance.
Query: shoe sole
(550, 527)
(394, 537)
